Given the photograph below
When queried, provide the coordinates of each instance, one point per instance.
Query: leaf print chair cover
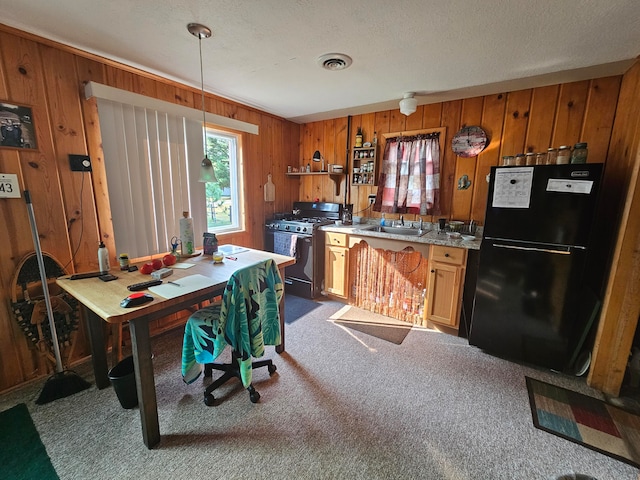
(246, 319)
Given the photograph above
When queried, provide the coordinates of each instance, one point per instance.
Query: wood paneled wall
(516, 122)
(621, 306)
(72, 208)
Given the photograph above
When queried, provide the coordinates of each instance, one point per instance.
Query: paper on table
(186, 285)
(183, 266)
(231, 249)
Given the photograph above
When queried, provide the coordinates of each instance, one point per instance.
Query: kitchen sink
(397, 230)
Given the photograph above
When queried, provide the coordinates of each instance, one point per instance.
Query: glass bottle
(123, 259)
(541, 158)
(552, 155)
(530, 158)
(508, 160)
(520, 159)
(579, 154)
(564, 155)
(359, 138)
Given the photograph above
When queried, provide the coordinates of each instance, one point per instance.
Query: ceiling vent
(334, 61)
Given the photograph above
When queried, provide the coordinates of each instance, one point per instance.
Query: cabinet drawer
(452, 255)
(338, 239)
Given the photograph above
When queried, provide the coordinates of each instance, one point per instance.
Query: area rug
(374, 324)
(585, 420)
(22, 455)
(296, 307)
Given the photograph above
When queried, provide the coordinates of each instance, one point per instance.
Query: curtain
(409, 180)
(149, 178)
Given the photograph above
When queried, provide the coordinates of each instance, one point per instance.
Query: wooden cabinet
(445, 283)
(336, 259)
(364, 165)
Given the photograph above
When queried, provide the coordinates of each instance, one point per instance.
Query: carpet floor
(342, 405)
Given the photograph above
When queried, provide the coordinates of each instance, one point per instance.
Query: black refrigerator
(529, 290)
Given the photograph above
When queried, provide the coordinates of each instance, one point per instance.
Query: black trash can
(123, 379)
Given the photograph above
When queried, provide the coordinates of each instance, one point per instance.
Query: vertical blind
(152, 162)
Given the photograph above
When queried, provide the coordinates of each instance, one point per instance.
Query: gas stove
(296, 233)
(305, 218)
(295, 225)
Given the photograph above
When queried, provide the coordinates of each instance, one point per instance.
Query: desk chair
(246, 319)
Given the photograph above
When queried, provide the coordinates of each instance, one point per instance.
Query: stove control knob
(297, 229)
(286, 227)
(304, 229)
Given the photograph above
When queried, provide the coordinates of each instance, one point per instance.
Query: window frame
(236, 177)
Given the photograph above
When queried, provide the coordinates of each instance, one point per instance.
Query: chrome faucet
(420, 227)
(402, 220)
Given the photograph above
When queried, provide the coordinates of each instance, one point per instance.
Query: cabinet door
(444, 294)
(335, 270)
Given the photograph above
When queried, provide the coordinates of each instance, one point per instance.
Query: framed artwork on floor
(16, 126)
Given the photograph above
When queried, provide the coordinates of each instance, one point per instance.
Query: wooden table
(101, 303)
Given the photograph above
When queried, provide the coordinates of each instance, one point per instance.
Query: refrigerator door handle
(533, 249)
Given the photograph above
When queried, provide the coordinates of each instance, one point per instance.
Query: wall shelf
(336, 177)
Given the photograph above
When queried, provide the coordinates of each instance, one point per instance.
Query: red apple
(147, 268)
(169, 260)
(156, 263)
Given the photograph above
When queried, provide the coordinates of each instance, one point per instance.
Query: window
(224, 197)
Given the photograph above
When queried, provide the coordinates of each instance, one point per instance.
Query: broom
(63, 382)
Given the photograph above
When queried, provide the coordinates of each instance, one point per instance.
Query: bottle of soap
(382, 220)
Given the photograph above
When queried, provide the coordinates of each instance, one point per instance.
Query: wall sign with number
(9, 187)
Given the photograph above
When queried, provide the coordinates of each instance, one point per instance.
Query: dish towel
(285, 244)
(247, 319)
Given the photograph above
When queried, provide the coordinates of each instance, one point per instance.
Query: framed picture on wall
(16, 126)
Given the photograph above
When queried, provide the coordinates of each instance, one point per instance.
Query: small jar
(520, 160)
(564, 155)
(508, 160)
(579, 154)
(552, 155)
(541, 158)
(530, 158)
(123, 259)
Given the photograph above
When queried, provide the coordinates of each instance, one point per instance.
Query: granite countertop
(431, 237)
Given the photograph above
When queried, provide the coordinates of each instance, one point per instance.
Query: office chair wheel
(254, 396)
(272, 369)
(209, 400)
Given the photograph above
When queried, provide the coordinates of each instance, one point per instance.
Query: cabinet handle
(433, 271)
(446, 254)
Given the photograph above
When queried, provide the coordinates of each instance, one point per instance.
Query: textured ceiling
(264, 53)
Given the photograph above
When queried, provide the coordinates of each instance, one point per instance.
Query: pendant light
(207, 173)
(317, 157)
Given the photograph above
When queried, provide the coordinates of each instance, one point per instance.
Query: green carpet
(585, 420)
(22, 456)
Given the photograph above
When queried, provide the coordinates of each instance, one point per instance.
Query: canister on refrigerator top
(564, 155)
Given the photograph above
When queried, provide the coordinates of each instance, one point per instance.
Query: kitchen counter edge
(432, 237)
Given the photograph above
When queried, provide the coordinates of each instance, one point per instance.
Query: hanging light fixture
(207, 173)
(408, 104)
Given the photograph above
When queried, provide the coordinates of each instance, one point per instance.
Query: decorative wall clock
(469, 142)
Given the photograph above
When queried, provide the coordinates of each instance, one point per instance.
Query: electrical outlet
(80, 163)
(372, 199)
